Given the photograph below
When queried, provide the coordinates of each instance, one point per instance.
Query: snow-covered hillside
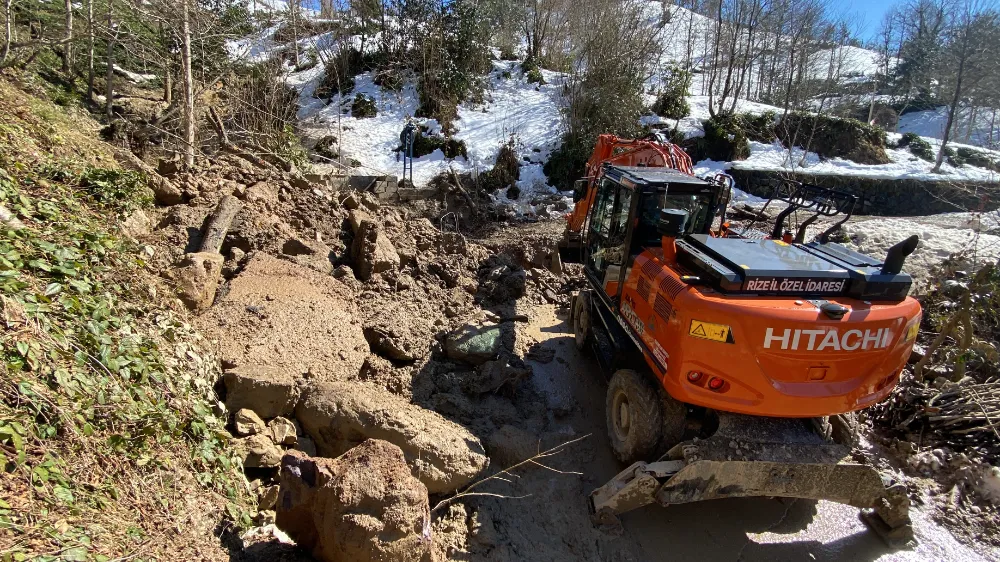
(930, 123)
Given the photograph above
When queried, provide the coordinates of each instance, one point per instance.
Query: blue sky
(869, 11)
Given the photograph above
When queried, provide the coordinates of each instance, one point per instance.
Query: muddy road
(552, 523)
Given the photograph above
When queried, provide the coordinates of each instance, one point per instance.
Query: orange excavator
(735, 362)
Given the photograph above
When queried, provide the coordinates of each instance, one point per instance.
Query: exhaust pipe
(896, 255)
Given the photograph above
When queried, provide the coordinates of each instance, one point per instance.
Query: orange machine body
(774, 355)
(625, 152)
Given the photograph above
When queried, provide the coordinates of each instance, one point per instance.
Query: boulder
(282, 431)
(197, 278)
(372, 251)
(442, 454)
(474, 343)
(268, 391)
(510, 445)
(505, 372)
(258, 452)
(362, 506)
(247, 422)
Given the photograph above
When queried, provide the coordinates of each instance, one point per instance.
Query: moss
(363, 107)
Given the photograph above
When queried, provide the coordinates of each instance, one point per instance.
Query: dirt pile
(362, 506)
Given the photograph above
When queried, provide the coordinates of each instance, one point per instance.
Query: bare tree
(67, 56)
(967, 51)
(8, 18)
(188, 77)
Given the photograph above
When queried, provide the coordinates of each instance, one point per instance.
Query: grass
(111, 440)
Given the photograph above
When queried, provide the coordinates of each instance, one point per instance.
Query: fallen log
(219, 223)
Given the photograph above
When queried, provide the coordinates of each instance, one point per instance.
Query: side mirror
(579, 190)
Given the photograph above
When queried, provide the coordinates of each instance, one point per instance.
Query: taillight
(695, 376)
(715, 383)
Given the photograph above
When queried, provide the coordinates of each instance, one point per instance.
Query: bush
(340, 71)
(120, 191)
(424, 144)
(363, 107)
(309, 60)
(532, 72)
(506, 171)
(724, 140)
(507, 53)
(672, 101)
(391, 80)
(978, 158)
(834, 137)
(568, 163)
(918, 146)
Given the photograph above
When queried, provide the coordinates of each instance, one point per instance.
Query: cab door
(607, 235)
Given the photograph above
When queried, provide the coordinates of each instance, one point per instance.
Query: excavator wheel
(581, 319)
(841, 429)
(634, 412)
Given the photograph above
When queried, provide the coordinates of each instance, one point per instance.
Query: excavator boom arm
(626, 152)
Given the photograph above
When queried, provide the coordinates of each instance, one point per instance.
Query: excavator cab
(626, 214)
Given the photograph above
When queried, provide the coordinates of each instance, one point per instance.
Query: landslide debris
(362, 506)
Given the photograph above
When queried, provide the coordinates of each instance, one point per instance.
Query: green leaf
(22, 348)
(52, 289)
(63, 494)
(75, 554)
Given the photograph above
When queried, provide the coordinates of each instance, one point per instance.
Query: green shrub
(724, 140)
(568, 163)
(309, 60)
(391, 80)
(834, 137)
(978, 158)
(506, 171)
(424, 144)
(918, 146)
(672, 101)
(118, 190)
(507, 53)
(363, 107)
(532, 72)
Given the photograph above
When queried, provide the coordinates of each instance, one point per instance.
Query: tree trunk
(293, 8)
(219, 222)
(8, 14)
(67, 59)
(168, 86)
(189, 132)
(109, 91)
(90, 50)
(951, 115)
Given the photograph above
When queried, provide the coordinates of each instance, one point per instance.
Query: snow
(850, 62)
(512, 107)
(134, 76)
(930, 123)
(941, 236)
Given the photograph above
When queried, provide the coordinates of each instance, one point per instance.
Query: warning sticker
(709, 331)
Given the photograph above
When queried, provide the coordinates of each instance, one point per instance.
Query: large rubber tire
(581, 320)
(634, 413)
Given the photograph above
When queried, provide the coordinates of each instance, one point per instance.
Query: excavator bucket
(753, 456)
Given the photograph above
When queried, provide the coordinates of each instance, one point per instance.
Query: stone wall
(886, 197)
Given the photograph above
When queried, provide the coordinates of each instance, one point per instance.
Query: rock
(266, 517)
(394, 342)
(167, 168)
(362, 506)
(312, 254)
(137, 224)
(510, 445)
(500, 280)
(953, 288)
(555, 263)
(282, 431)
(197, 278)
(372, 251)
(268, 391)
(474, 343)
(259, 452)
(262, 192)
(351, 202)
(442, 454)
(453, 243)
(247, 422)
(268, 498)
(513, 192)
(307, 446)
(507, 371)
